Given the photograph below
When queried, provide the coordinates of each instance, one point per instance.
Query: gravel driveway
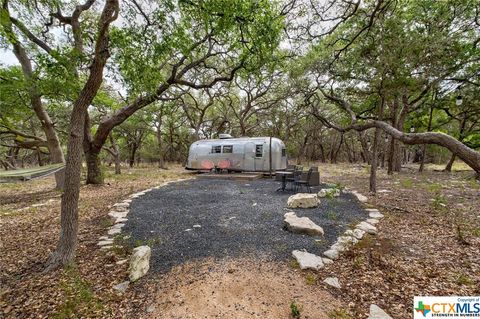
(203, 218)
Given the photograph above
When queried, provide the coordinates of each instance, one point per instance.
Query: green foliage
(310, 279)
(295, 310)
(339, 313)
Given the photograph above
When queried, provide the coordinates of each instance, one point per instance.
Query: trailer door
(249, 157)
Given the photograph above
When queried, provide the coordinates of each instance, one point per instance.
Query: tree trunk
(161, 158)
(448, 168)
(92, 156)
(116, 156)
(67, 243)
(335, 154)
(365, 152)
(424, 147)
(468, 155)
(376, 139)
(94, 170)
(133, 151)
(118, 165)
(373, 166)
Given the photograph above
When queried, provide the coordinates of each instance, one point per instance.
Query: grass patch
(106, 222)
(406, 183)
(339, 314)
(366, 242)
(294, 264)
(434, 187)
(80, 300)
(439, 202)
(464, 279)
(310, 279)
(332, 215)
(295, 310)
(476, 232)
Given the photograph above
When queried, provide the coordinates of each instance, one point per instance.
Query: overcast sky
(7, 57)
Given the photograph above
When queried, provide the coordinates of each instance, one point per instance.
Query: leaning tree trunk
(67, 243)
(468, 155)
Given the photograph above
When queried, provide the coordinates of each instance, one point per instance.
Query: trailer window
(228, 149)
(258, 150)
(216, 149)
(284, 152)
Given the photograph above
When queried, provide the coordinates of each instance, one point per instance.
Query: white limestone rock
(122, 204)
(376, 215)
(302, 225)
(307, 260)
(114, 231)
(105, 242)
(360, 197)
(358, 233)
(120, 220)
(121, 262)
(122, 287)
(328, 192)
(366, 227)
(303, 200)
(139, 262)
(121, 208)
(377, 313)
(333, 281)
(327, 261)
(349, 232)
(116, 214)
(340, 247)
(346, 241)
(118, 226)
(372, 221)
(332, 254)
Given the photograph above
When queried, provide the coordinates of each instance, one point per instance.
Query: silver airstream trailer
(250, 154)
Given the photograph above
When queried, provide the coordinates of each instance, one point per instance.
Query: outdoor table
(284, 175)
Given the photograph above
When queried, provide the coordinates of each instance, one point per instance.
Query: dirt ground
(428, 245)
(240, 288)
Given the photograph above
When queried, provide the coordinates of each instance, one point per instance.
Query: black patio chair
(299, 182)
(297, 175)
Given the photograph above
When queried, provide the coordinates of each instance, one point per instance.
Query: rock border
(118, 213)
(345, 241)
(351, 236)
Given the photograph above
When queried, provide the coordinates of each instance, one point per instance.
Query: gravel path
(237, 218)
